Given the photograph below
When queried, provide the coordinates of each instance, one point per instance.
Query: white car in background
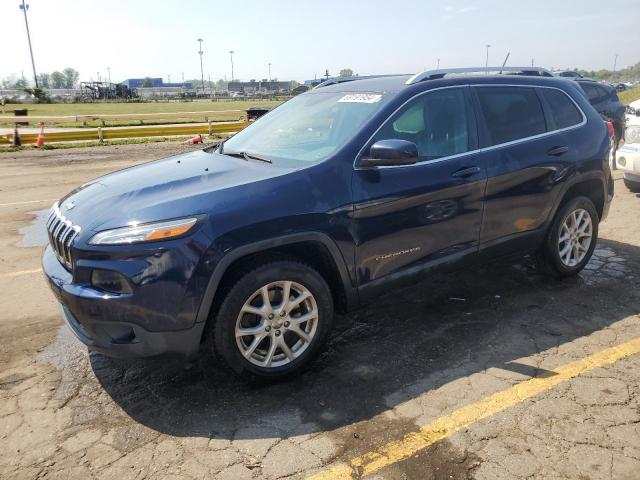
(628, 155)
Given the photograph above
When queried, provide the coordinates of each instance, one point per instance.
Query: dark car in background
(568, 74)
(328, 201)
(606, 102)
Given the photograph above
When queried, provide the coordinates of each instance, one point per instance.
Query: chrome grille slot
(61, 234)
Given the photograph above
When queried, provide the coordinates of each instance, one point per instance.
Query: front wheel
(274, 320)
(571, 239)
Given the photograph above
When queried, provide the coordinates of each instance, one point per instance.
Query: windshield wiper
(248, 156)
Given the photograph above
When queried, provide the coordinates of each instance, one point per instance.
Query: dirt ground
(403, 362)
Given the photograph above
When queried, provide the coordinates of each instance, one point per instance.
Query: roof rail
(435, 74)
(336, 80)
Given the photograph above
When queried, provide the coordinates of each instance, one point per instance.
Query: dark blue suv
(338, 195)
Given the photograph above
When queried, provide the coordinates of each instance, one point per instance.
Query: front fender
(242, 251)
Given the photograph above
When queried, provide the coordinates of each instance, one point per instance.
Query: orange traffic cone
(40, 140)
(191, 141)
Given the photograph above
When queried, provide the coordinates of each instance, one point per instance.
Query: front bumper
(628, 160)
(83, 309)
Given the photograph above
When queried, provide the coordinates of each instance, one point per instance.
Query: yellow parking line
(20, 272)
(445, 426)
(26, 202)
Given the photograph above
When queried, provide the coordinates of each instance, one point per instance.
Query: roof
(389, 83)
(397, 83)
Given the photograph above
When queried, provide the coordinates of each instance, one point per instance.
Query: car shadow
(405, 344)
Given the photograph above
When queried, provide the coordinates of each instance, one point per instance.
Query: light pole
(269, 71)
(24, 7)
(438, 64)
(231, 52)
(201, 70)
(109, 74)
(615, 62)
(486, 62)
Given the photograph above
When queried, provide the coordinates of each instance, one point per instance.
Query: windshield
(309, 127)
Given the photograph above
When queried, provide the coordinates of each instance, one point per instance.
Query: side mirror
(389, 153)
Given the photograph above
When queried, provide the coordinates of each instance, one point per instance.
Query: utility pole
(486, 62)
(24, 7)
(615, 62)
(231, 52)
(109, 74)
(269, 78)
(532, 61)
(201, 70)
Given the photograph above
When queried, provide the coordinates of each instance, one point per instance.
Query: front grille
(61, 233)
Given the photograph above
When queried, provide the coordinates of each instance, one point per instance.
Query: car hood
(187, 184)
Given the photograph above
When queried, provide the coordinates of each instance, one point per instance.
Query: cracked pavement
(391, 367)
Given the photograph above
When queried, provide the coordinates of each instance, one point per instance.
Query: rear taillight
(610, 129)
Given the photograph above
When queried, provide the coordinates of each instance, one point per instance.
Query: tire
(549, 256)
(633, 187)
(249, 354)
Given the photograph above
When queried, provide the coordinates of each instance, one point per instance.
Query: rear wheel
(571, 239)
(274, 320)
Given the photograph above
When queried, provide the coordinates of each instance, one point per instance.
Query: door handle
(465, 172)
(557, 151)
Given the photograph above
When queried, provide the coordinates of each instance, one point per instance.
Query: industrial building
(260, 87)
(155, 83)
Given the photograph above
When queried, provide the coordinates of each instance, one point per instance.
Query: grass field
(100, 108)
(630, 95)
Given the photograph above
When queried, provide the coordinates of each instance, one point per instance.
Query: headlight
(632, 134)
(144, 233)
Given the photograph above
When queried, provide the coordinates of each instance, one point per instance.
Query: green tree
(58, 80)
(346, 72)
(44, 80)
(71, 77)
(147, 83)
(20, 84)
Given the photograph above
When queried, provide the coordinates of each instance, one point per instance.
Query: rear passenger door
(526, 155)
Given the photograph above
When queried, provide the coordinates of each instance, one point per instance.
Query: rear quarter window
(595, 93)
(510, 113)
(564, 112)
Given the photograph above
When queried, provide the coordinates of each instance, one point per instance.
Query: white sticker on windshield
(360, 98)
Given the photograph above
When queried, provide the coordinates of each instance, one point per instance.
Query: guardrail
(115, 117)
(128, 132)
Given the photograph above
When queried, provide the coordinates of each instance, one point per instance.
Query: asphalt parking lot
(494, 372)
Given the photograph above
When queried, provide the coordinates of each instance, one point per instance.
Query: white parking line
(27, 202)
(21, 272)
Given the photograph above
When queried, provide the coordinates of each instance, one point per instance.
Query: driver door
(409, 218)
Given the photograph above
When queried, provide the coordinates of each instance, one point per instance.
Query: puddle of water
(35, 234)
(70, 357)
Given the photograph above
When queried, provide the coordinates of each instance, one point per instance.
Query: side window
(591, 91)
(436, 122)
(603, 94)
(510, 113)
(563, 110)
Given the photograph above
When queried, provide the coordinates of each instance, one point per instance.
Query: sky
(302, 39)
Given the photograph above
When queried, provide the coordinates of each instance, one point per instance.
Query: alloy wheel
(276, 324)
(575, 237)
